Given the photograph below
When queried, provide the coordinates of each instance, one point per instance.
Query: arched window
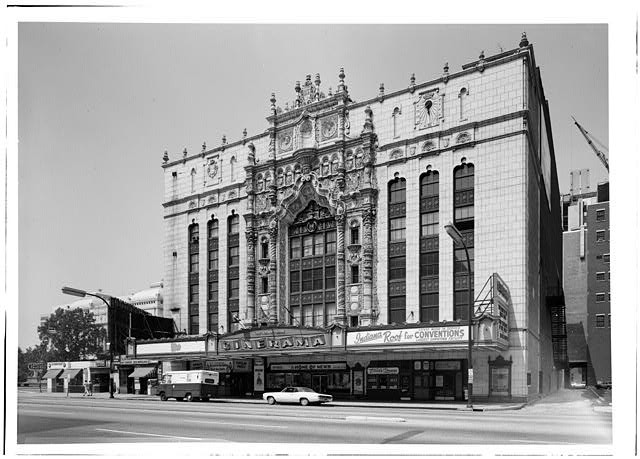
(193, 180)
(397, 250)
(395, 115)
(280, 177)
(264, 248)
(462, 96)
(325, 166)
(429, 246)
(349, 160)
(359, 155)
(260, 182)
(463, 219)
(334, 164)
(232, 168)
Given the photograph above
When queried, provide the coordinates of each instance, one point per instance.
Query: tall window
(429, 246)
(233, 271)
(397, 250)
(232, 167)
(396, 114)
(462, 95)
(193, 280)
(355, 233)
(212, 275)
(312, 267)
(193, 180)
(464, 221)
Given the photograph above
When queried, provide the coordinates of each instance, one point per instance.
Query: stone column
(251, 274)
(368, 220)
(341, 317)
(273, 243)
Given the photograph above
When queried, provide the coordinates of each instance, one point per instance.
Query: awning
(70, 373)
(142, 372)
(53, 373)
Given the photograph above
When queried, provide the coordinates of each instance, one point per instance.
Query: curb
(434, 407)
(370, 405)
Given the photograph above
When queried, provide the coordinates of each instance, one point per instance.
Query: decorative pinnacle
(308, 80)
(297, 88)
(381, 93)
(481, 57)
(244, 133)
(368, 121)
(330, 93)
(523, 40)
(317, 80)
(413, 79)
(224, 139)
(273, 103)
(204, 146)
(446, 68)
(165, 157)
(341, 77)
(184, 152)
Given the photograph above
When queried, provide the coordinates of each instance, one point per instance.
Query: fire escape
(555, 303)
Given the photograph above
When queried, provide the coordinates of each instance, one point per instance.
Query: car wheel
(271, 400)
(188, 397)
(304, 401)
(163, 397)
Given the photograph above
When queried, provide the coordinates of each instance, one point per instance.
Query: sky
(98, 103)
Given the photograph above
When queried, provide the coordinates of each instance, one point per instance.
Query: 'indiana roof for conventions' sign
(426, 335)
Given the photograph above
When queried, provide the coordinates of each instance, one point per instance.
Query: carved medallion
(285, 141)
(428, 146)
(329, 128)
(463, 138)
(312, 226)
(397, 153)
(212, 168)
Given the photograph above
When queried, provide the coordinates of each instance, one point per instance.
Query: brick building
(315, 253)
(586, 282)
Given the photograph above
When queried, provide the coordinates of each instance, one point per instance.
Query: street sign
(470, 380)
(37, 365)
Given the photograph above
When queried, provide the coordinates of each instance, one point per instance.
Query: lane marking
(149, 434)
(237, 424)
(546, 442)
(373, 419)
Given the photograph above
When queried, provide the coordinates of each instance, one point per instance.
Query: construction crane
(590, 141)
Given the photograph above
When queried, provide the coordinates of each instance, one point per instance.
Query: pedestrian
(90, 388)
(86, 389)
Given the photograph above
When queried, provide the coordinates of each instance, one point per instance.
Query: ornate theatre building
(315, 253)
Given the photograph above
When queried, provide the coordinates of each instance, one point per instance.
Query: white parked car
(301, 395)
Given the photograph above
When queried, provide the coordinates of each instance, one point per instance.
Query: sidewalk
(459, 406)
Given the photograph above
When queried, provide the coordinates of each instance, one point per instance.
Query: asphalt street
(567, 419)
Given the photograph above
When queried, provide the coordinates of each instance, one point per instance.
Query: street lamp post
(82, 294)
(455, 234)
